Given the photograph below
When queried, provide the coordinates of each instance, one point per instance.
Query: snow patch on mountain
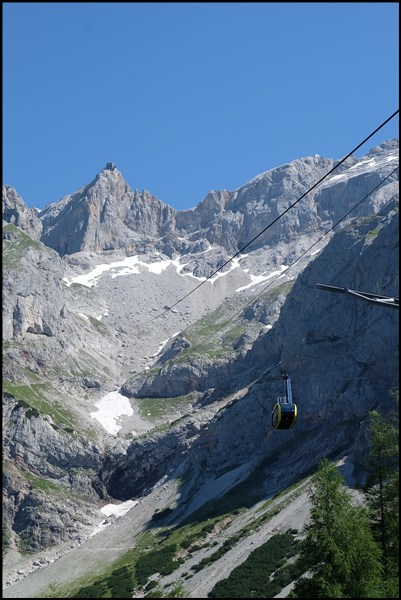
(258, 279)
(113, 510)
(366, 165)
(131, 265)
(110, 409)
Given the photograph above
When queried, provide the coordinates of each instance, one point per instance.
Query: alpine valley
(142, 353)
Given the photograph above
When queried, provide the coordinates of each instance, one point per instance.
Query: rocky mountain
(136, 352)
(16, 212)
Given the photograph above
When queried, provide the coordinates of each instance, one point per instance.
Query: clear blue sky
(189, 97)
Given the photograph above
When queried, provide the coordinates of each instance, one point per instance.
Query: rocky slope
(87, 311)
(16, 212)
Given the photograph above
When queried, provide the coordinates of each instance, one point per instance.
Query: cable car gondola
(285, 411)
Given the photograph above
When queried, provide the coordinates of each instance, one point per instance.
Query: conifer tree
(382, 492)
(341, 557)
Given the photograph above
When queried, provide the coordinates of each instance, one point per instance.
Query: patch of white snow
(110, 408)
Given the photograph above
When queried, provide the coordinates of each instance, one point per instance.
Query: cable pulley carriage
(284, 412)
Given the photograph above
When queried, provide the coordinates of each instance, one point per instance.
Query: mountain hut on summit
(110, 166)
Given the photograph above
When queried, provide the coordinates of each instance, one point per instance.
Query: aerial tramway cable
(274, 220)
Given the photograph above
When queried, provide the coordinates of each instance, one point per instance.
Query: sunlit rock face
(106, 215)
(16, 212)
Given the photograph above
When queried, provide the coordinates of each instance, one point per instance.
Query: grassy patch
(257, 577)
(119, 584)
(11, 344)
(117, 581)
(156, 551)
(220, 329)
(245, 495)
(50, 488)
(23, 547)
(374, 232)
(32, 398)
(203, 332)
(280, 290)
(43, 485)
(232, 335)
(5, 540)
(161, 560)
(14, 250)
(188, 534)
(99, 326)
(53, 590)
(157, 407)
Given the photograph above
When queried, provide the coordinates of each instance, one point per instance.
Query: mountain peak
(111, 172)
(110, 166)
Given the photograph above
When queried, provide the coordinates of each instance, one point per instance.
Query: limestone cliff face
(45, 444)
(50, 493)
(37, 277)
(49, 468)
(105, 215)
(16, 212)
(48, 325)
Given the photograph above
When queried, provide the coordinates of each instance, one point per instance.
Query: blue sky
(189, 97)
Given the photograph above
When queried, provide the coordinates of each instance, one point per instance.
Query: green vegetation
(13, 250)
(99, 326)
(253, 578)
(246, 493)
(382, 492)
(23, 375)
(374, 232)
(232, 335)
(282, 289)
(156, 407)
(156, 561)
(163, 550)
(23, 547)
(342, 548)
(53, 590)
(339, 550)
(5, 539)
(155, 552)
(352, 551)
(206, 327)
(11, 344)
(267, 511)
(118, 581)
(120, 584)
(32, 397)
(133, 569)
(177, 591)
(43, 485)
(225, 547)
(227, 323)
